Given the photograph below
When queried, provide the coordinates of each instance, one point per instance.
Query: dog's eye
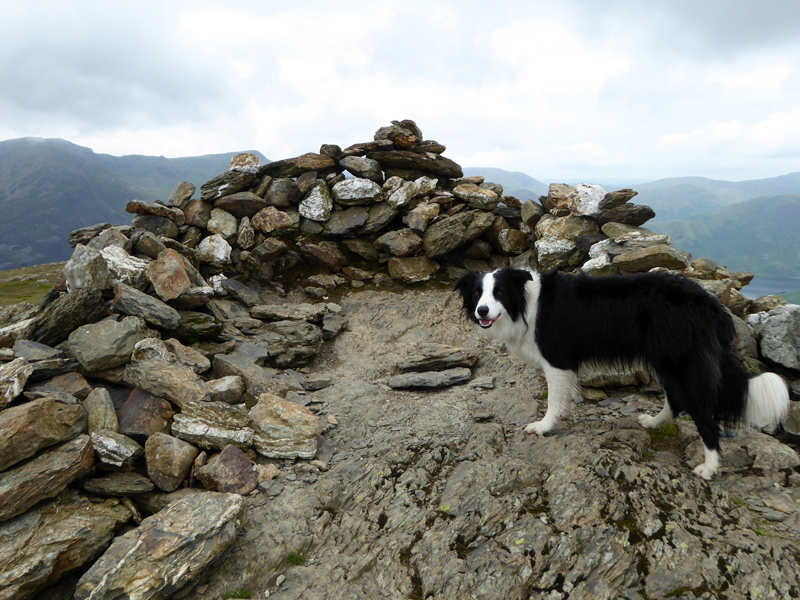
(498, 294)
(477, 293)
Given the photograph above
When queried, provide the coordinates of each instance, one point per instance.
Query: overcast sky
(560, 90)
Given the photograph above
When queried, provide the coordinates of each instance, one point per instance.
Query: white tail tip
(767, 401)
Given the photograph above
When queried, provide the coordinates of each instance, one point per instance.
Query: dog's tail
(767, 401)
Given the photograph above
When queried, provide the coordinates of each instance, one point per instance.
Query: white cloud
(575, 89)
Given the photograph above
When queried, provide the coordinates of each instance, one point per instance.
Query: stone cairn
(153, 372)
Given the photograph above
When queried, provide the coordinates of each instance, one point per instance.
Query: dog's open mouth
(486, 323)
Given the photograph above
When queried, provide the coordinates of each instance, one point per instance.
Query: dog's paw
(649, 422)
(539, 428)
(705, 471)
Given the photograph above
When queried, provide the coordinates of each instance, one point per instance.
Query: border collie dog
(665, 321)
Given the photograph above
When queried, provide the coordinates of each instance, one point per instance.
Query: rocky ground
(270, 390)
(439, 494)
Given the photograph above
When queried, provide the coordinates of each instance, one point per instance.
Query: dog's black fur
(662, 320)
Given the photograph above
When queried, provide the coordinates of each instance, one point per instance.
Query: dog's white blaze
(488, 300)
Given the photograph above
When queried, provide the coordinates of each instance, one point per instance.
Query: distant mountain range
(759, 235)
(521, 186)
(50, 187)
(681, 197)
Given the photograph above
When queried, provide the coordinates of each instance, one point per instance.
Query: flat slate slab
(433, 379)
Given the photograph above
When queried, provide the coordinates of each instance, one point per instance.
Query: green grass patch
(237, 594)
(29, 284)
(295, 559)
(665, 438)
(663, 431)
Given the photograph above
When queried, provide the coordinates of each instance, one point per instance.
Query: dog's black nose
(483, 311)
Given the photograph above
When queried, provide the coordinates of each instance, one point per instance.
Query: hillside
(678, 198)
(514, 183)
(757, 235)
(49, 187)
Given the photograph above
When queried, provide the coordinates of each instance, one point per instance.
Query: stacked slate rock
(160, 377)
(133, 389)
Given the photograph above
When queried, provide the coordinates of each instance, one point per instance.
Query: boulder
(226, 389)
(399, 192)
(363, 168)
(451, 232)
(476, 197)
(378, 217)
(614, 199)
(118, 484)
(214, 250)
(168, 275)
(213, 425)
(284, 429)
(240, 204)
(271, 220)
(114, 449)
(169, 460)
(160, 226)
(170, 352)
(226, 184)
(246, 237)
(230, 471)
(223, 223)
(168, 550)
(247, 362)
(61, 317)
(100, 413)
(53, 540)
(629, 214)
(644, 259)
(294, 167)
(130, 301)
(346, 222)
(140, 207)
(401, 242)
(291, 343)
(107, 343)
(325, 253)
(13, 377)
(72, 383)
(177, 384)
(44, 476)
(86, 234)
(317, 205)
(181, 195)
(87, 268)
(125, 268)
(143, 415)
(419, 218)
(404, 159)
(281, 192)
(778, 334)
(28, 428)
(294, 312)
(412, 269)
(198, 212)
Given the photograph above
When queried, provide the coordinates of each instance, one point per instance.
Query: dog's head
(495, 296)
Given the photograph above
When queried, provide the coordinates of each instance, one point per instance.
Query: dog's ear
(519, 277)
(467, 280)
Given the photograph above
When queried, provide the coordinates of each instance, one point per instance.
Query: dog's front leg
(561, 389)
